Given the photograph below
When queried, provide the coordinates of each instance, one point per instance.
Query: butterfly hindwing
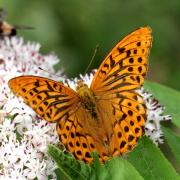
(127, 120)
(81, 136)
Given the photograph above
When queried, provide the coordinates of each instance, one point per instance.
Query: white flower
(24, 137)
(154, 117)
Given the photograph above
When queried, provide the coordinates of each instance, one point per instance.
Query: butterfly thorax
(87, 99)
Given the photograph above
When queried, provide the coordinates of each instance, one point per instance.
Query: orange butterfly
(109, 116)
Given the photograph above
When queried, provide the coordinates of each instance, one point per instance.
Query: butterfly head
(80, 84)
(82, 89)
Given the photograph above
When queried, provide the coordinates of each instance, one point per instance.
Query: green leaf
(68, 166)
(168, 97)
(116, 168)
(71, 169)
(150, 162)
(173, 141)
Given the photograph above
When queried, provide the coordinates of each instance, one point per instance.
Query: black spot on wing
(37, 83)
(128, 53)
(121, 50)
(112, 61)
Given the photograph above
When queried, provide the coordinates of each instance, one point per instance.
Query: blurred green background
(73, 28)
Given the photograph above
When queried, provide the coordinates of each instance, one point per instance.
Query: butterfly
(109, 116)
(7, 29)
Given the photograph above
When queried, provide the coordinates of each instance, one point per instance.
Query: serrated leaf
(168, 97)
(150, 162)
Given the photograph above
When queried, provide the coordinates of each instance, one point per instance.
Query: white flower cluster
(154, 117)
(25, 136)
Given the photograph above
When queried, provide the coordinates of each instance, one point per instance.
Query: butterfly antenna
(53, 74)
(94, 54)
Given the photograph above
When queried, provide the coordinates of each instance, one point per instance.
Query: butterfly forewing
(49, 99)
(125, 66)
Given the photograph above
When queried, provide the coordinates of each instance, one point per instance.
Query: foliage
(169, 97)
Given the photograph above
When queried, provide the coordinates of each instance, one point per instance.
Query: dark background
(73, 28)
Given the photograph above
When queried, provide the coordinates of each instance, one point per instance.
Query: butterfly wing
(81, 136)
(124, 118)
(122, 72)
(125, 66)
(50, 99)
